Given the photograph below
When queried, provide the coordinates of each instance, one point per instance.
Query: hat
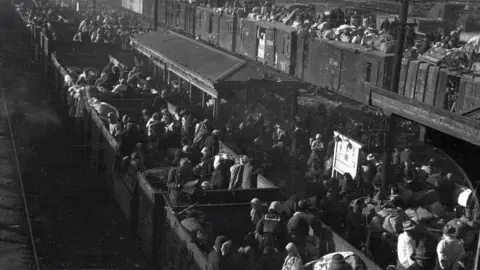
(450, 230)
(370, 157)
(408, 225)
(318, 136)
(216, 132)
(337, 262)
(275, 206)
(255, 201)
(149, 79)
(421, 252)
(219, 242)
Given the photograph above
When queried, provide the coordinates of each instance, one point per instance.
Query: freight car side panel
(214, 37)
(148, 8)
(162, 12)
(411, 79)
(403, 76)
(286, 50)
(332, 67)
(352, 78)
(431, 86)
(469, 94)
(271, 53)
(204, 24)
(189, 19)
(421, 81)
(313, 72)
(302, 55)
(441, 87)
(247, 39)
(227, 32)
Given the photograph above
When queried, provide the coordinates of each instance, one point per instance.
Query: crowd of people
(108, 27)
(398, 218)
(419, 197)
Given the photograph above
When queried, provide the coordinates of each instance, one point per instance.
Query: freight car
(337, 66)
(170, 245)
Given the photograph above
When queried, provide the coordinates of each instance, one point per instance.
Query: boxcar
(171, 246)
(342, 67)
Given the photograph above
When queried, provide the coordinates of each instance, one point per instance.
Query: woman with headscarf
(293, 261)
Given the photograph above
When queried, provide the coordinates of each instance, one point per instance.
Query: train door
(261, 44)
(270, 50)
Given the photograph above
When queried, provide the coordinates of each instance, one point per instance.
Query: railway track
(65, 220)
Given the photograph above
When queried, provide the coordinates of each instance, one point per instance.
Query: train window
(368, 71)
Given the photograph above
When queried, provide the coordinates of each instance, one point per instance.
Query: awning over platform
(457, 125)
(206, 64)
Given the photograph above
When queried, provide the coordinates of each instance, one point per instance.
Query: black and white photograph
(239, 134)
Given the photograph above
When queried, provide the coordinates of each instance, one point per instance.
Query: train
(142, 197)
(333, 65)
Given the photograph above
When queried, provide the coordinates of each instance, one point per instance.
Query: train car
(171, 245)
(272, 43)
(342, 67)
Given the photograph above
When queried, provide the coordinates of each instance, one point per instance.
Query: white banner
(346, 156)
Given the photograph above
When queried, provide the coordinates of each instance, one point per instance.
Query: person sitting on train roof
(273, 224)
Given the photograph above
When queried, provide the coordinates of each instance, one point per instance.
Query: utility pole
(389, 139)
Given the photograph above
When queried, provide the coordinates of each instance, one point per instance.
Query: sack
(424, 214)
(436, 209)
(406, 194)
(425, 197)
(393, 223)
(413, 215)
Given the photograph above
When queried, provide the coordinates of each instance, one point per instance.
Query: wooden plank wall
(423, 82)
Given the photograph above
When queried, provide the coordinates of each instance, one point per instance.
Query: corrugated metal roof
(250, 72)
(192, 55)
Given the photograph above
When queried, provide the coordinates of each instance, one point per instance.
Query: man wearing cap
(406, 245)
(450, 250)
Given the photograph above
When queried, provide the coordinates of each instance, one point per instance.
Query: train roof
(198, 58)
(354, 47)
